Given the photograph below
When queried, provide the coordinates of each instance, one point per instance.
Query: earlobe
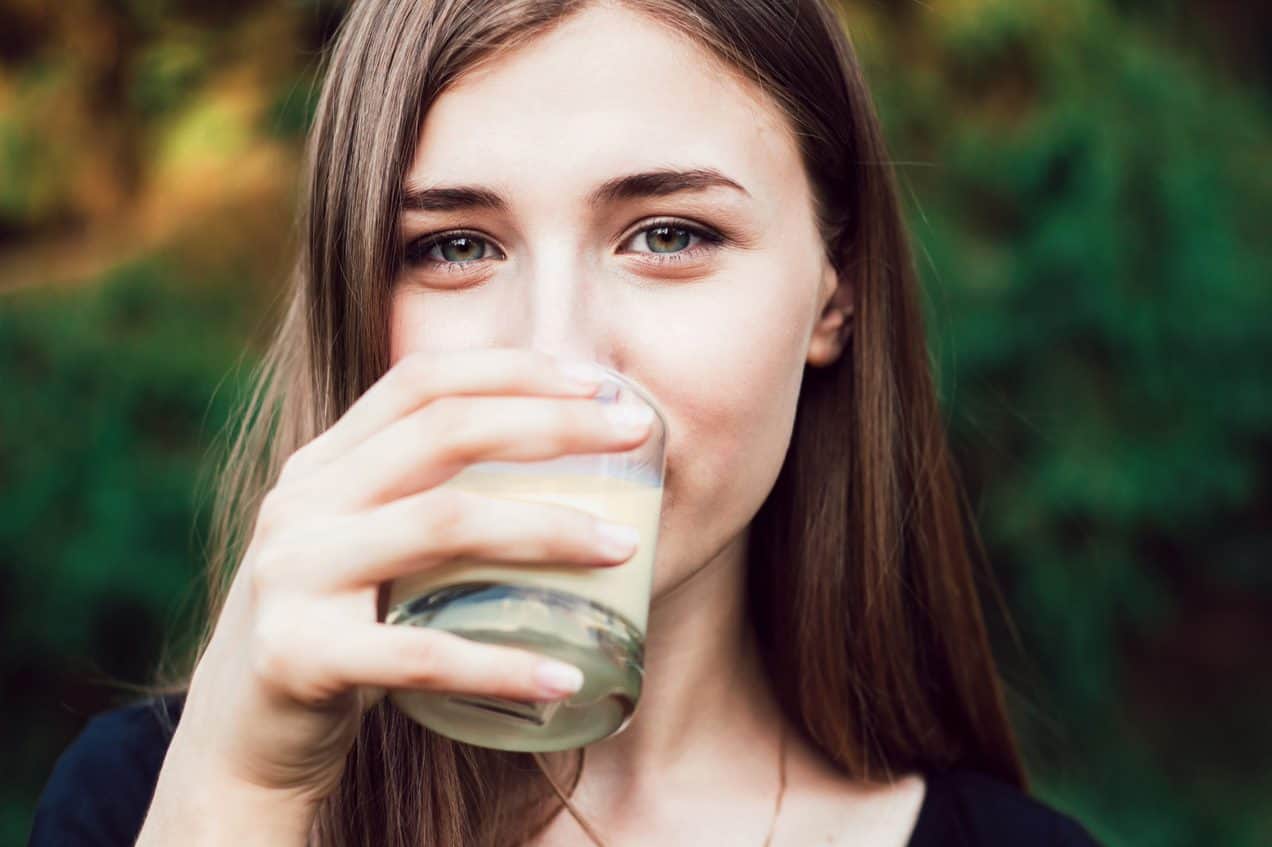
(829, 338)
(830, 335)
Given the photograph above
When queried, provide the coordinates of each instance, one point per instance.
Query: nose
(560, 313)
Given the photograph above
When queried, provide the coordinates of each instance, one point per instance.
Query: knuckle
(272, 654)
(423, 660)
(273, 511)
(274, 565)
(448, 515)
(546, 547)
(545, 529)
(568, 532)
(448, 423)
(579, 527)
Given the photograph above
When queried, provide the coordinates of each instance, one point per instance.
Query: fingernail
(558, 678)
(617, 539)
(631, 419)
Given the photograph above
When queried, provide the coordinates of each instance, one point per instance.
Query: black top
(101, 786)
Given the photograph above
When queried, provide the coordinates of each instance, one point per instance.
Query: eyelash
(416, 251)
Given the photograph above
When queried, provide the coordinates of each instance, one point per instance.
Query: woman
(694, 192)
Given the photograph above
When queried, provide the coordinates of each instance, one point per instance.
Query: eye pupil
(466, 249)
(659, 233)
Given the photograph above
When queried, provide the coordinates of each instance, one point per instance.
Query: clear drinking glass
(593, 618)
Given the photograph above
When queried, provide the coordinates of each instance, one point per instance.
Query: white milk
(621, 588)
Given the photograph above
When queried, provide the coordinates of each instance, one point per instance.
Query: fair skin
(720, 336)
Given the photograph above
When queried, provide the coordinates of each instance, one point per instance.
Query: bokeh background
(1089, 187)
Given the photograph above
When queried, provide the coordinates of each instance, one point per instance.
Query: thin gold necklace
(777, 806)
(781, 787)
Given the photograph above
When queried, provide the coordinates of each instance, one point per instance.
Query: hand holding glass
(592, 618)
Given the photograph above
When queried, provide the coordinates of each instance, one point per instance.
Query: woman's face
(710, 295)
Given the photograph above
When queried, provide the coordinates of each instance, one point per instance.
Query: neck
(705, 697)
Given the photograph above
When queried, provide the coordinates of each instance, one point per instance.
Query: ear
(834, 321)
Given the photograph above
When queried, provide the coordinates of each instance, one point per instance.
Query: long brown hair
(860, 574)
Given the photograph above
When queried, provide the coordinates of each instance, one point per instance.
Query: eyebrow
(655, 183)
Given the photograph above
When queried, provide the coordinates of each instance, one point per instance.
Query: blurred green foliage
(1091, 212)
(1089, 196)
(111, 397)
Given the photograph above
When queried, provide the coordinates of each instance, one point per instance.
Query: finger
(390, 656)
(432, 444)
(413, 533)
(421, 377)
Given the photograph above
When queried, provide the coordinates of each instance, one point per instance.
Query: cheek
(729, 353)
(728, 376)
(418, 321)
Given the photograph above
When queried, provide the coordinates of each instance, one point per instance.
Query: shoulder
(971, 809)
(101, 785)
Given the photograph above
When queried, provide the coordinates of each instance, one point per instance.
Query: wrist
(198, 804)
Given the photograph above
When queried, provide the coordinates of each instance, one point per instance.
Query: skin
(719, 333)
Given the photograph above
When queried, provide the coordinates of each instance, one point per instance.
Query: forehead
(607, 91)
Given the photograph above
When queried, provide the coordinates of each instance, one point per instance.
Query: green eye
(462, 249)
(672, 238)
(672, 241)
(456, 248)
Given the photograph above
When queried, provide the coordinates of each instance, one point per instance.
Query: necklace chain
(781, 788)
